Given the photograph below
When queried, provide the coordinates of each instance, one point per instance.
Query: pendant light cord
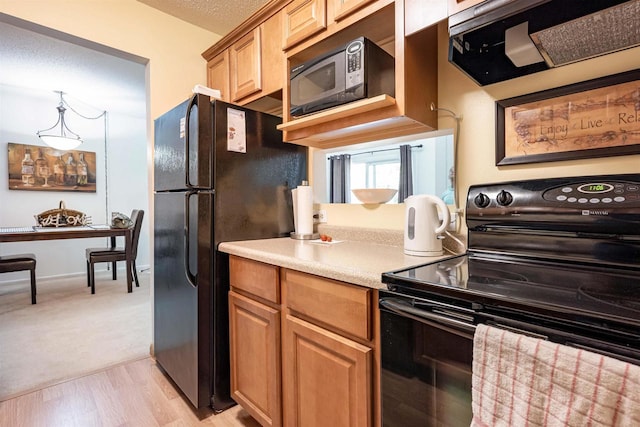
(104, 115)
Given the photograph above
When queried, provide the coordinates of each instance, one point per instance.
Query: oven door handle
(405, 309)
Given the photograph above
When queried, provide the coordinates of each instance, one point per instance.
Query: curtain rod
(380, 151)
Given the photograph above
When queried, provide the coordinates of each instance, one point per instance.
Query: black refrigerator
(221, 173)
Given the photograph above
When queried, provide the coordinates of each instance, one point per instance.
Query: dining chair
(21, 262)
(115, 254)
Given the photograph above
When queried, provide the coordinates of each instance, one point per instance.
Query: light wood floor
(132, 394)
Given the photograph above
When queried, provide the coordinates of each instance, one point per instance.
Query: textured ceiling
(38, 64)
(218, 16)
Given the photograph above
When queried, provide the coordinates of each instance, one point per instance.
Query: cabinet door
(246, 65)
(420, 14)
(326, 378)
(218, 74)
(254, 340)
(455, 6)
(343, 8)
(303, 18)
(273, 58)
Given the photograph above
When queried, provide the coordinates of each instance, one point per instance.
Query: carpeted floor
(69, 332)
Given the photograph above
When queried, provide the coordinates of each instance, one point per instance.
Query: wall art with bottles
(40, 168)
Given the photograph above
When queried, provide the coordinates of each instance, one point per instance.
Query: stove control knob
(504, 198)
(481, 200)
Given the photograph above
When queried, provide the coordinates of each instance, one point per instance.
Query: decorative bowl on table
(374, 195)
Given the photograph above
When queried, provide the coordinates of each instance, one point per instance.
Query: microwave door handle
(407, 310)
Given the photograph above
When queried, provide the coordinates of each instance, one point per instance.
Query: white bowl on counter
(374, 195)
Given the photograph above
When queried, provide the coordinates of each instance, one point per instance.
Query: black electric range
(564, 249)
(557, 259)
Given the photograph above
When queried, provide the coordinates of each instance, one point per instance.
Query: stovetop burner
(626, 302)
(557, 287)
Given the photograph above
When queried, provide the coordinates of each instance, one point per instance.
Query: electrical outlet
(453, 224)
(320, 217)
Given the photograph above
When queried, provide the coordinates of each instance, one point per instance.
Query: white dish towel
(522, 381)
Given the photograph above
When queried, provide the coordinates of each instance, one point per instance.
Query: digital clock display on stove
(595, 188)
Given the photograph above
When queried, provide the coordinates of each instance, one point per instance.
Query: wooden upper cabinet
(245, 59)
(303, 19)
(343, 8)
(455, 6)
(420, 14)
(273, 58)
(249, 65)
(218, 74)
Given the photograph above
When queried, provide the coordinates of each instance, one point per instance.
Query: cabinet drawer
(345, 308)
(255, 277)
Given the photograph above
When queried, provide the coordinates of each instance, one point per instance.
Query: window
(376, 169)
(377, 165)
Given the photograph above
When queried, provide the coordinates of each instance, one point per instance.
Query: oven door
(426, 363)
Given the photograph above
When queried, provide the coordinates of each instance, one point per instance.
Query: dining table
(36, 233)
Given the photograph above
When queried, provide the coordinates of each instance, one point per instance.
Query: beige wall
(476, 148)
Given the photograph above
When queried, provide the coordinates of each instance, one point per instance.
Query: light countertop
(352, 261)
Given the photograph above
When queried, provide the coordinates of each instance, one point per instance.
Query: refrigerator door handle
(193, 102)
(187, 252)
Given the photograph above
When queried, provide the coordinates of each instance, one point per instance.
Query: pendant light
(64, 140)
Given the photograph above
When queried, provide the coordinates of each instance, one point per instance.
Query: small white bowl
(374, 195)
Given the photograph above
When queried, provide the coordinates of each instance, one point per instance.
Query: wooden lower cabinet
(304, 349)
(326, 378)
(255, 358)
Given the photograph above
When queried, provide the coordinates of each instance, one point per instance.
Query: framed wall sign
(595, 118)
(36, 168)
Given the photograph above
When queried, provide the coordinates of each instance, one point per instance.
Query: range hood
(499, 40)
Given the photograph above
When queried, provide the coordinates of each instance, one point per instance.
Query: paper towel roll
(303, 209)
(294, 199)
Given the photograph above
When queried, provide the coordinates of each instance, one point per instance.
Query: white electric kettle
(423, 229)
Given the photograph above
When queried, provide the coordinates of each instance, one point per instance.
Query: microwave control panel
(355, 74)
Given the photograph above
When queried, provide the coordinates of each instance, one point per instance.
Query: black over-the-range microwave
(360, 69)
